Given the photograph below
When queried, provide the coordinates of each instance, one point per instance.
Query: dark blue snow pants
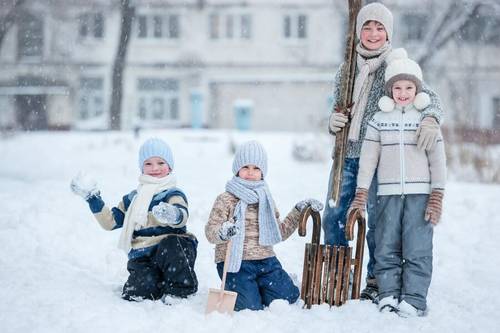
(169, 270)
(259, 282)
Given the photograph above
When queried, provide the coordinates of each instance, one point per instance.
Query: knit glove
(434, 207)
(359, 201)
(228, 230)
(315, 205)
(337, 122)
(166, 213)
(84, 186)
(427, 133)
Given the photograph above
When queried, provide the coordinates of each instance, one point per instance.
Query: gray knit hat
(375, 11)
(250, 152)
(155, 147)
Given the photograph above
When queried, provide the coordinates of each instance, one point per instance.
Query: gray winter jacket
(377, 91)
(390, 147)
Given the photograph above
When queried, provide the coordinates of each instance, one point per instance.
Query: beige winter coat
(223, 210)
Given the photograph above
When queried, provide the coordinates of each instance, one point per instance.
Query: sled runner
(331, 275)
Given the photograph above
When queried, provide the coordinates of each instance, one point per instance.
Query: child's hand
(315, 205)
(337, 122)
(228, 230)
(434, 207)
(166, 213)
(359, 201)
(84, 186)
(427, 133)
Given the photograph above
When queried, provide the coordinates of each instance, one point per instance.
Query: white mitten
(166, 213)
(315, 205)
(84, 186)
(337, 122)
(228, 230)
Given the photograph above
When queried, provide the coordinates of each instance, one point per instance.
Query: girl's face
(155, 167)
(373, 35)
(250, 172)
(403, 92)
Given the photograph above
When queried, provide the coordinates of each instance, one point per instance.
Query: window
(91, 25)
(30, 37)
(158, 100)
(91, 103)
(230, 26)
(496, 113)
(295, 26)
(414, 27)
(157, 26)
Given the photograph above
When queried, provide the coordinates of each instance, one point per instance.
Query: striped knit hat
(155, 147)
(250, 152)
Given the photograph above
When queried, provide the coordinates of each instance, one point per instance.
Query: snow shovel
(221, 300)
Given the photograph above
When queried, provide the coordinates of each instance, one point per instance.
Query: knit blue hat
(155, 147)
(250, 152)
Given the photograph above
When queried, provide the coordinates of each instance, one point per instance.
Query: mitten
(228, 230)
(315, 205)
(84, 186)
(434, 207)
(359, 201)
(166, 213)
(337, 122)
(427, 133)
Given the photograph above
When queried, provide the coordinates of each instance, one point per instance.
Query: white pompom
(399, 53)
(386, 104)
(422, 100)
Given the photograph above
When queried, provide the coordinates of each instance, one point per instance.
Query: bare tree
(447, 26)
(127, 15)
(11, 16)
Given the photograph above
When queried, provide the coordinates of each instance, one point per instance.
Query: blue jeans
(334, 218)
(259, 282)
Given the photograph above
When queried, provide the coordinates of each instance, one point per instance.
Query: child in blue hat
(153, 219)
(246, 214)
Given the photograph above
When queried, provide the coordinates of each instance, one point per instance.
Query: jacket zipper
(401, 152)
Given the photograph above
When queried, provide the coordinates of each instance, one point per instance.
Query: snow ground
(60, 272)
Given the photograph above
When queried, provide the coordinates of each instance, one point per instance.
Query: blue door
(243, 110)
(196, 99)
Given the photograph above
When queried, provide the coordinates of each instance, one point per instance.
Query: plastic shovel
(221, 300)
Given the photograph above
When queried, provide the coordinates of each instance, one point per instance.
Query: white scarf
(368, 61)
(136, 216)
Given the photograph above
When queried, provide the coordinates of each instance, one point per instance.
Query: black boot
(371, 291)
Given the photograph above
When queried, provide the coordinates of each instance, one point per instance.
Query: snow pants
(168, 271)
(259, 282)
(334, 218)
(404, 249)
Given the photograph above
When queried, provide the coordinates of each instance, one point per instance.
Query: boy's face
(373, 35)
(155, 167)
(403, 92)
(250, 172)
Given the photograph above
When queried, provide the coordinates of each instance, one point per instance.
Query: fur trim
(386, 104)
(399, 53)
(422, 100)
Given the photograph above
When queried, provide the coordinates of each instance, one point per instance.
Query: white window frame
(230, 25)
(292, 28)
(158, 26)
(90, 22)
(163, 93)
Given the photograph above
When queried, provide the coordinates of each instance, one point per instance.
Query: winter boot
(407, 310)
(371, 291)
(388, 304)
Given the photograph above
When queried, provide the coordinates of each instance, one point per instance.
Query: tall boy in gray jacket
(410, 191)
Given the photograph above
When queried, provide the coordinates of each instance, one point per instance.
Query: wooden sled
(327, 268)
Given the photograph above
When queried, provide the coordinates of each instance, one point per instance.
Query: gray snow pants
(403, 249)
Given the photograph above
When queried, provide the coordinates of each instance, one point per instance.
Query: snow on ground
(60, 272)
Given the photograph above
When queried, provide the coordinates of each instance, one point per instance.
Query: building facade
(255, 64)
